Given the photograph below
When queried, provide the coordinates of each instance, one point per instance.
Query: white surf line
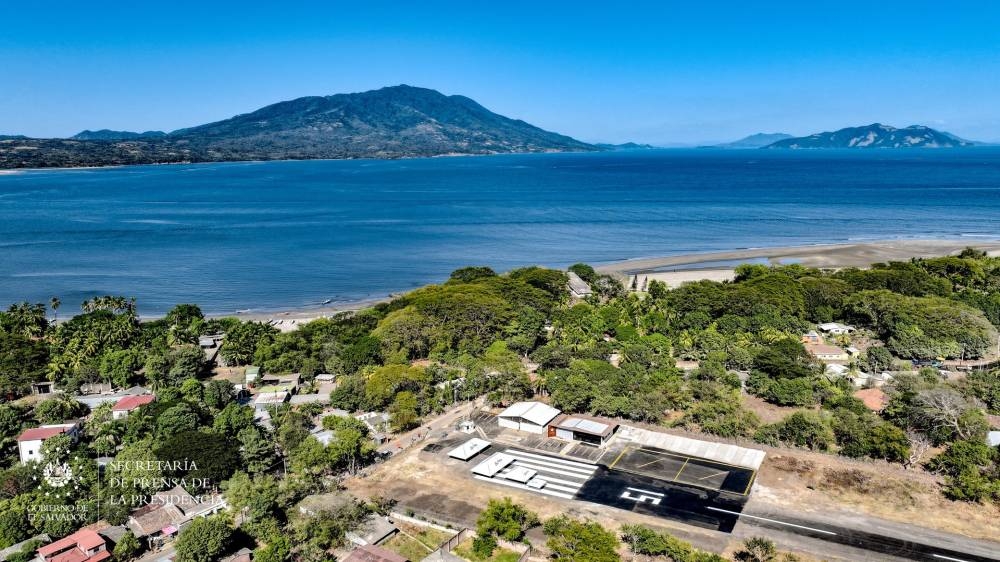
(523, 487)
(641, 491)
(557, 470)
(575, 464)
(943, 557)
(738, 514)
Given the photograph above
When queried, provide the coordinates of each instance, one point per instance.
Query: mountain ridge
(108, 134)
(756, 140)
(875, 135)
(391, 122)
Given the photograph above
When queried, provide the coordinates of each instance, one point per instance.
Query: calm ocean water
(275, 235)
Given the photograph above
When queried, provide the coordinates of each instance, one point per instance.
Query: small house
(84, 545)
(373, 530)
(835, 328)
(128, 404)
(251, 374)
(168, 511)
(585, 429)
(825, 352)
(270, 398)
(811, 338)
(993, 438)
(578, 288)
(43, 387)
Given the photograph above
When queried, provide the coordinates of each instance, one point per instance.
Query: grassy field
(414, 542)
(499, 555)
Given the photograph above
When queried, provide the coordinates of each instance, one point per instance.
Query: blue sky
(662, 72)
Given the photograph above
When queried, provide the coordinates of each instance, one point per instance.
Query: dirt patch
(768, 413)
(815, 482)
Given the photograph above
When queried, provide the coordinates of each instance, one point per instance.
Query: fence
(465, 534)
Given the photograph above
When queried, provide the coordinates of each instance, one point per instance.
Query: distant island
(757, 140)
(876, 135)
(625, 146)
(392, 122)
(107, 134)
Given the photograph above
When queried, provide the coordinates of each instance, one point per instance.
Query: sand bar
(675, 270)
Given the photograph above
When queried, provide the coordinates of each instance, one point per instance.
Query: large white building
(29, 443)
(533, 417)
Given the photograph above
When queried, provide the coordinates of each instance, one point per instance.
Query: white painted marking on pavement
(553, 470)
(549, 478)
(738, 514)
(644, 491)
(574, 464)
(643, 498)
(523, 487)
(943, 557)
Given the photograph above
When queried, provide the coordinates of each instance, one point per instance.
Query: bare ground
(825, 484)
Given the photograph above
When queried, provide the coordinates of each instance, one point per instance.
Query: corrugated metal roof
(585, 425)
(469, 449)
(534, 412)
(719, 452)
(493, 465)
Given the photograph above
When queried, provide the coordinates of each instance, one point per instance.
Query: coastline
(719, 266)
(349, 158)
(678, 269)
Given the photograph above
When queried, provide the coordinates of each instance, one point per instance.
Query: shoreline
(678, 269)
(347, 159)
(720, 266)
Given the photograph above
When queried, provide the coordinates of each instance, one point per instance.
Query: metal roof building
(469, 449)
(533, 417)
(579, 428)
(491, 466)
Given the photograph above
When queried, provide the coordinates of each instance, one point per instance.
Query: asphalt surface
(721, 511)
(712, 496)
(692, 471)
(893, 546)
(650, 496)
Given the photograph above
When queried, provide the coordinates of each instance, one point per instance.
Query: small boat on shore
(243, 311)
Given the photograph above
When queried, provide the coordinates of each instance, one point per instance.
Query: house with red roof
(29, 443)
(84, 545)
(128, 404)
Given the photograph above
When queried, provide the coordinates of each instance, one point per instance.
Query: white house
(836, 328)
(993, 439)
(29, 443)
(577, 286)
(533, 417)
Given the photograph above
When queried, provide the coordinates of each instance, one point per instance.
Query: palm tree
(28, 319)
(54, 302)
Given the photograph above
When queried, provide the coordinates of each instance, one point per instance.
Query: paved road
(874, 542)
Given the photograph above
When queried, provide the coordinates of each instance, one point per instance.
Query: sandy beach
(719, 266)
(290, 319)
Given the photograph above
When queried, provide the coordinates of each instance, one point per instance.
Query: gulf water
(276, 235)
